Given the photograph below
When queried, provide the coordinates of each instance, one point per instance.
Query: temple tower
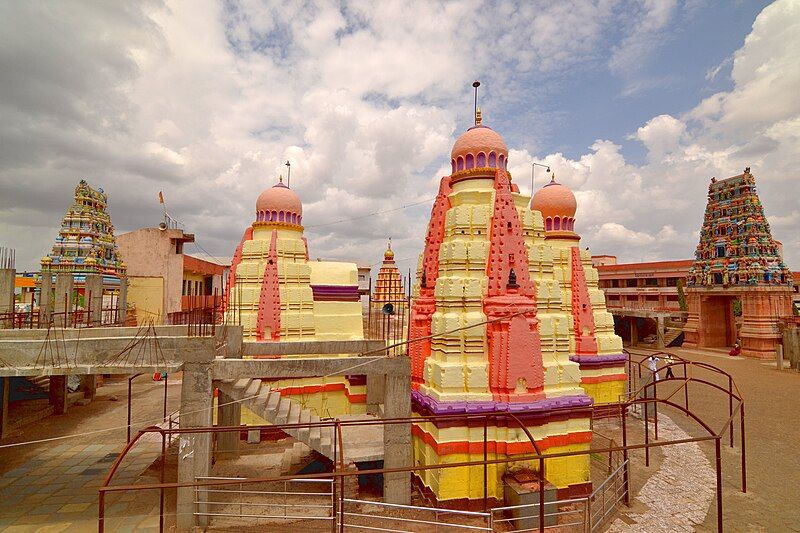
(592, 342)
(486, 262)
(277, 294)
(389, 286)
(85, 243)
(737, 259)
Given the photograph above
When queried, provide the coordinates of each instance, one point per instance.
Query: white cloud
(206, 102)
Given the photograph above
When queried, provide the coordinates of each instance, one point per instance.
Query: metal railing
(235, 501)
(429, 518)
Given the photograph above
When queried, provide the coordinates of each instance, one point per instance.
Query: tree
(681, 296)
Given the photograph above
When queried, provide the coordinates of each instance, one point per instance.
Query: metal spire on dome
(477, 84)
(289, 174)
(280, 178)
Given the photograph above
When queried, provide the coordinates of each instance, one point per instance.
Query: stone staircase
(670, 335)
(275, 409)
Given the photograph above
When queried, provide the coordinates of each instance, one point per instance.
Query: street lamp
(533, 171)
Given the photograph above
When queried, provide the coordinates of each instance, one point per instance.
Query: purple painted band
(589, 360)
(541, 406)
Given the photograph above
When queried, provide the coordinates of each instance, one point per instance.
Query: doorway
(717, 326)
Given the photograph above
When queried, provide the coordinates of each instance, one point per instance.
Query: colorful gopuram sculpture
(539, 325)
(85, 243)
(389, 286)
(737, 258)
(276, 294)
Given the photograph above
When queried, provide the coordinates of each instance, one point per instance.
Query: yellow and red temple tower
(277, 294)
(516, 319)
(389, 285)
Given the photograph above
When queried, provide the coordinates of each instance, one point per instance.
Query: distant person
(736, 350)
(652, 364)
(669, 360)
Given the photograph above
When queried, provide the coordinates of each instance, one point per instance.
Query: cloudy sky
(634, 104)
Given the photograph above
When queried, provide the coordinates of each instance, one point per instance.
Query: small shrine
(737, 259)
(389, 286)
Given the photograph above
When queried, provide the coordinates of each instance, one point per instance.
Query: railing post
(161, 490)
(744, 450)
(730, 406)
(101, 511)
(541, 493)
(717, 451)
(485, 466)
(625, 457)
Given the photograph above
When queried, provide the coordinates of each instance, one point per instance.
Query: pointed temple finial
(390, 243)
(477, 84)
(553, 178)
(280, 178)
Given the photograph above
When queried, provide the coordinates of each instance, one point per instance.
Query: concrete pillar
(45, 299)
(89, 386)
(779, 357)
(228, 414)
(397, 439)
(94, 290)
(791, 346)
(194, 451)
(232, 342)
(7, 277)
(634, 332)
(64, 299)
(58, 394)
(5, 384)
(376, 384)
(122, 301)
(660, 333)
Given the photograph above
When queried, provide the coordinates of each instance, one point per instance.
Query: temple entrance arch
(718, 326)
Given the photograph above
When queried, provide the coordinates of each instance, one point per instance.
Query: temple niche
(542, 344)
(737, 260)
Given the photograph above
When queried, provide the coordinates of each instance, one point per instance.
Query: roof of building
(279, 198)
(554, 200)
(682, 264)
(477, 139)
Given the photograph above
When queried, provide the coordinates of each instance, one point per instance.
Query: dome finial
(478, 116)
(475, 85)
(280, 178)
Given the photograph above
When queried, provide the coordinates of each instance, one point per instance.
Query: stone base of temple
(558, 425)
(711, 323)
(603, 377)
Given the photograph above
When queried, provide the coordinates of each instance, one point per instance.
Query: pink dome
(479, 139)
(279, 204)
(557, 204)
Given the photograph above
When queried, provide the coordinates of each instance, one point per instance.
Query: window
(631, 282)
(615, 283)
(651, 282)
(672, 282)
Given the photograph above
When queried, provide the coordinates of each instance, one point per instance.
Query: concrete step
(252, 390)
(283, 411)
(271, 408)
(304, 434)
(240, 386)
(314, 435)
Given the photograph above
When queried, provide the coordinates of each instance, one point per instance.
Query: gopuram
(85, 243)
(277, 294)
(737, 259)
(518, 325)
(389, 285)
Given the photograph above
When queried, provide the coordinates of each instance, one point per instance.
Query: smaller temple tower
(85, 243)
(389, 286)
(737, 259)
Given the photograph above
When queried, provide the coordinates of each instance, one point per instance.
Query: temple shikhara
(518, 324)
(85, 243)
(737, 260)
(277, 294)
(389, 285)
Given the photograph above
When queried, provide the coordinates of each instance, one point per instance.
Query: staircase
(275, 409)
(671, 335)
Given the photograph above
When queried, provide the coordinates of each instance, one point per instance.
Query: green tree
(681, 296)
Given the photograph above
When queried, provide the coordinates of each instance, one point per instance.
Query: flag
(160, 197)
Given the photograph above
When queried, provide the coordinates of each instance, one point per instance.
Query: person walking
(669, 360)
(652, 364)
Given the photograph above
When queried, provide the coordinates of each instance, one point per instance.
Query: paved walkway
(772, 400)
(52, 486)
(679, 494)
